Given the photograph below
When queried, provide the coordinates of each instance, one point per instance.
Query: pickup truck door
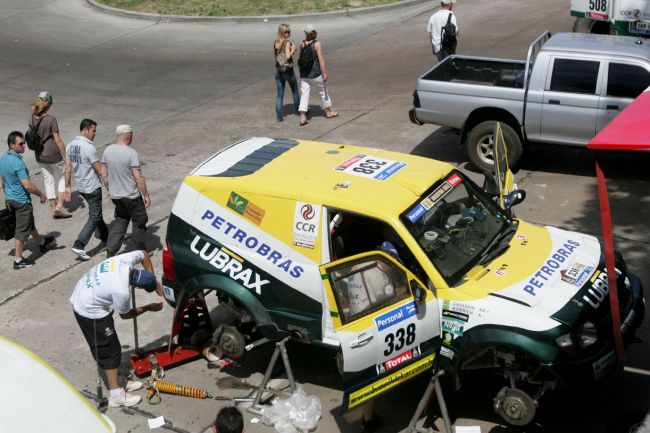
(624, 82)
(570, 101)
(387, 323)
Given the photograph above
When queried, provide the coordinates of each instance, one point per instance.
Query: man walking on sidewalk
(128, 190)
(443, 43)
(15, 182)
(83, 159)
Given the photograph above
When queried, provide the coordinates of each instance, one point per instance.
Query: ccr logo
(307, 211)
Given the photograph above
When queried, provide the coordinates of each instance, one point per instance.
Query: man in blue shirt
(14, 179)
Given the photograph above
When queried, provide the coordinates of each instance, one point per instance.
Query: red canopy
(630, 130)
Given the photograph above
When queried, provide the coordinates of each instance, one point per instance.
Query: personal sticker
(370, 167)
(395, 316)
(306, 220)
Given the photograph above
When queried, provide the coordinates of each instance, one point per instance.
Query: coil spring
(185, 391)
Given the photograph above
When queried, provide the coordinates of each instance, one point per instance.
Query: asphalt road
(192, 88)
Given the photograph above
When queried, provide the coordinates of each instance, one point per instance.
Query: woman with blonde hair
(51, 159)
(284, 72)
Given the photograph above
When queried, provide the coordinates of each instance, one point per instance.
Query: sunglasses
(20, 143)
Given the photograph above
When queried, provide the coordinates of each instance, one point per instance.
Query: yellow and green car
(395, 262)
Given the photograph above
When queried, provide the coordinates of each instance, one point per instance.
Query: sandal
(331, 114)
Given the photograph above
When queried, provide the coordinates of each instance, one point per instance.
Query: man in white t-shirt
(434, 28)
(104, 288)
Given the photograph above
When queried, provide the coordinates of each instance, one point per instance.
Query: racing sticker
(395, 316)
(398, 360)
(245, 208)
(168, 293)
(576, 274)
(386, 383)
(428, 202)
(453, 325)
(371, 167)
(604, 365)
(546, 272)
(306, 220)
(447, 352)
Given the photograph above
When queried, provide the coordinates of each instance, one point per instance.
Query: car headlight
(582, 337)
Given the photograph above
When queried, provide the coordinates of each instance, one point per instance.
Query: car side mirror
(515, 197)
(419, 292)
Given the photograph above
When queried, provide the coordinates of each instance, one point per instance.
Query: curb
(262, 18)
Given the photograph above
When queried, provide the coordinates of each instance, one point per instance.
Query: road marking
(637, 371)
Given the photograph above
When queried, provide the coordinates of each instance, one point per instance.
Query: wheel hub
(515, 406)
(232, 342)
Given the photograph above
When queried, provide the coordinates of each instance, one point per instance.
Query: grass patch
(219, 8)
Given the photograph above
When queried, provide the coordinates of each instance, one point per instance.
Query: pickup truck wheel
(480, 145)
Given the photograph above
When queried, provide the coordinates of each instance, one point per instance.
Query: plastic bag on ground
(299, 413)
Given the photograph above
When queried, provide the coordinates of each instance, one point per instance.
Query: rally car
(395, 262)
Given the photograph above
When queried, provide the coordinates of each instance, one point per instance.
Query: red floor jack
(194, 317)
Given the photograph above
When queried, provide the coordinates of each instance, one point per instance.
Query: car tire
(480, 145)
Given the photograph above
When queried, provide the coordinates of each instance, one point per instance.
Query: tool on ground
(280, 349)
(434, 386)
(154, 389)
(234, 399)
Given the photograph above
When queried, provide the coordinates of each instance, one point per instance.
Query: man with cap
(128, 191)
(104, 288)
(435, 25)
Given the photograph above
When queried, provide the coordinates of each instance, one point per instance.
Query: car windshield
(458, 226)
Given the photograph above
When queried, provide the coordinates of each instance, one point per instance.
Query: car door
(387, 323)
(570, 101)
(625, 81)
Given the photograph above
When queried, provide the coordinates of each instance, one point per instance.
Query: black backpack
(448, 36)
(33, 138)
(307, 56)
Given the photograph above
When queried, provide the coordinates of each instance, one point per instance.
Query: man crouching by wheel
(107, 285)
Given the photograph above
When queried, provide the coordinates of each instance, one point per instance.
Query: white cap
(123, 129)
(447, 2)
(45, 95)
(309, 28)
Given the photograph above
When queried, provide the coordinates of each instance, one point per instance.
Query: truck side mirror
(419, 292)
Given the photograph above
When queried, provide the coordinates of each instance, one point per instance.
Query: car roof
(607, 45)
(315, 172)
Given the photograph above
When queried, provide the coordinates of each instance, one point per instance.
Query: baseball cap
(143, 279)
(45, 95)
(309, 28)
(446, 2)
(123, 129)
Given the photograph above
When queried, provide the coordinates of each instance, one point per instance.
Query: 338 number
(401, 337)
(369, 166)
(598, 5)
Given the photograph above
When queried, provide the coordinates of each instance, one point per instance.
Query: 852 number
(401, 337)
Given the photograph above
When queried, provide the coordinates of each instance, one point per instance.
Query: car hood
(543, 269)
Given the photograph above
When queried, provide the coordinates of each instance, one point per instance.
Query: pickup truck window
(455, 224)
(574, 76)
(626, 81)
(367, 285)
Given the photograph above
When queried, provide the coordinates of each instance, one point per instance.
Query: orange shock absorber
(185, 391)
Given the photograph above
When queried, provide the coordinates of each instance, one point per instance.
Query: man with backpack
(443, 30)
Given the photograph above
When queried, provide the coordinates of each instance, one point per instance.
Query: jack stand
(434, 386)
(256, 408)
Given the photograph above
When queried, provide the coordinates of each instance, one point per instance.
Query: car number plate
(640, 27)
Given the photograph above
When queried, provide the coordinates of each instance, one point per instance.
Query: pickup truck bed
(487, 72)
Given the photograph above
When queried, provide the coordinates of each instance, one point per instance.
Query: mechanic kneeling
(109, 283)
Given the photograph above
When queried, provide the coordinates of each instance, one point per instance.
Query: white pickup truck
(569, 87)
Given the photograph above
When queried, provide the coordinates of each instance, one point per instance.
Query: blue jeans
(95, 220)
(280, 79)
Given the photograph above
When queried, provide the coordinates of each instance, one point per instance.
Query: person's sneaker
(48, 242)
(125, 399)
(61, 213)
(22, 263)
(83, 255)
(133, 385)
